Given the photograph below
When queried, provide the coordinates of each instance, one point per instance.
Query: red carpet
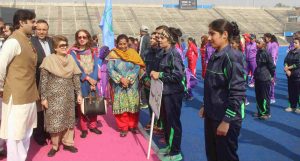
(106, 147)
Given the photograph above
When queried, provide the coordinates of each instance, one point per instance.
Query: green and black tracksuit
(172, 75)
(293, 59)
(263, 74)
(224, 93)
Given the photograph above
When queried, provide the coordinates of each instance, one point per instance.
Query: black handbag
(93, 105)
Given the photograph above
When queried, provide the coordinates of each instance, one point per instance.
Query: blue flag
(106, 26)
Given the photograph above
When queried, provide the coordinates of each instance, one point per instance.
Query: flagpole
(151, 133)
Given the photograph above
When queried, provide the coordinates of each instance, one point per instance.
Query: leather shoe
(96, 131)
(52, 152)
(83, 133)
(71, 149)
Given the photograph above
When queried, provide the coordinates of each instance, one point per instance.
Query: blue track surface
(277, 139)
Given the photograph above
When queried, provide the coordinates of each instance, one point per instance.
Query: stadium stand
(66, 19)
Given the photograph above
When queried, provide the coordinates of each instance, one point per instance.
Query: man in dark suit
(44, 47)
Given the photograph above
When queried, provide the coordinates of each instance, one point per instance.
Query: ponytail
(235, 29)
(192, 40)
(173, 34)
(221, 25)
(274, 39)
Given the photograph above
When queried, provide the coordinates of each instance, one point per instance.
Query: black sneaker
(71, 149)
(83, 133)
(96, 131)
(52, 152)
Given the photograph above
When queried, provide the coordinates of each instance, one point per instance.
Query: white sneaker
(297, 110)
(247, 103)
(273, 101)
(289, 109)
(251, 85)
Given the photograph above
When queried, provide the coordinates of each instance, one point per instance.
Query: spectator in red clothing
(204, 40)
(192, 55)
(246, 37)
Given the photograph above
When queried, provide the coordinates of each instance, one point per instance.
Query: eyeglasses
(82, 37)
(63, 45)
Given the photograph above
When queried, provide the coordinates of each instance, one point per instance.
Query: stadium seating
(67, 18)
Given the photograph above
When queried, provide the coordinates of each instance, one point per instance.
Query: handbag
(93, 105)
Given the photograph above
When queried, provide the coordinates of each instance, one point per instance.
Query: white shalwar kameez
(17, 121)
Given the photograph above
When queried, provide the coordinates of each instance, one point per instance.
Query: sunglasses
(63, 45)
(82, 37)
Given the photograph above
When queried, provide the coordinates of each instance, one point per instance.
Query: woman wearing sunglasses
(60, 76)
(86, 59)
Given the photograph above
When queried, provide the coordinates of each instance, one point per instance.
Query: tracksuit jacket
(172, 72)
(225, 86)
(265, 69)
(251, 51)
(192, 55)
(293, 59)
(273, 49)
(151, 58)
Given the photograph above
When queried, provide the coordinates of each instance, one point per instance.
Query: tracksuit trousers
(171, 111)
(294, 92)
(221, 148)
(251, 65)
(262, 92)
